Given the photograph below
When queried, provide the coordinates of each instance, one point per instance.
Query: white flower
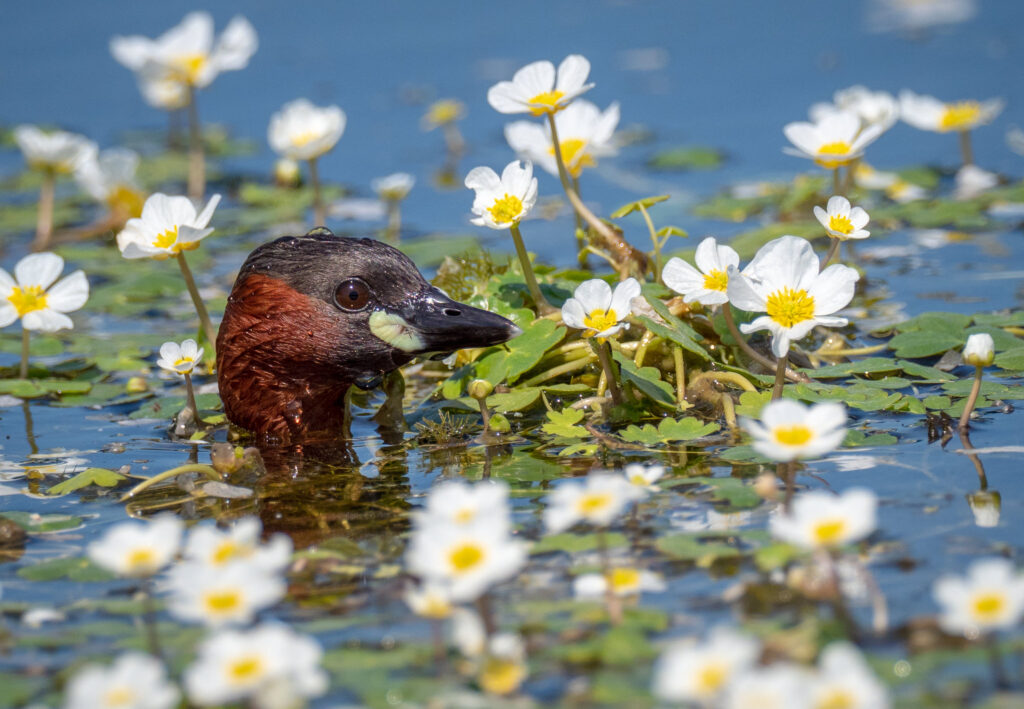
(168, 226)
(32, 295)
(468, 633)
(266, 662)
(624, 581)
(643, 477)
(783, 281)
(500, 203)
(845, 680)
(699, 673)
(929, 113)
(873, 107)
(504, 668)
(459, 504)
(57, 152)
(187, 54)
(163, 92)
(597, 500)
(215, 548)
(302, 131)
(598, 310)
(134, 681)
(442, 112)
(990, 597)
(915, 16)
(138, 548)
(822, 520)
(986, 506)
(109, 178)
(430, 600)
(902, 191)
(538, 90)
(833, 141)
(788, 430)
(584, 134)
(394, 187)
(708, 283)
(180, 359)
(841, 221)
(972, 181)
(979, 350)
(231, 594)
(864, 175)
(779, 686)
(467, 559)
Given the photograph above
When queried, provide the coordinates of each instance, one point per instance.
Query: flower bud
(499, 423)
(979, 350)
(136, 385)
(986, 505)
(480, 388)
(286, 173)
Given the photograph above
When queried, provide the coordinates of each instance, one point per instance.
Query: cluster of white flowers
(724, 671)
(223, 578)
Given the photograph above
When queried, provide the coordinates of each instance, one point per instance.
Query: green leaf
(669, 430)
(1011, 360)
(34, 388)
(686, 157)
(527, 350)
(563, 423)
(646, 202)
(672, 231)
(924, 343)
(574, 543)
(16, 690)
(870, 365)
(73, 569)
(856, 438)
(39, 524)
(89, 476)
(679, 337)
(646, 379)
(690, 547)
(776, 556)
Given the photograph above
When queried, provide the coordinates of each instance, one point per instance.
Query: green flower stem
(851, 170)
(641, 350)
(581, 232)
(453, 140)
(44, 215)
(555, 372)
(206, 470)
(786, 473)
(574, 199)
(543, 306)
(995, 660)
(780, 377)
(191, 399)
(836, 181)
(654, 240)
(485, 413)
(604, 356)
(486, 611)
(319, 214)
(613, 602)
(149, 621)
(196, 156)
(730, 323)
(677, 358)
(972, 399)
(833, 252)
(966, 153)
(715, 376)
(204, 315)
(23, 372)
(394, 229)
(30, 429)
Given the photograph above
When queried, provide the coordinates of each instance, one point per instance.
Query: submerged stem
(972, 399)
(612, 601)
(206, 470)
(319, 215)
(543, 306)
(197, 300)
(196, 155)
(44, 216)
(23, 372)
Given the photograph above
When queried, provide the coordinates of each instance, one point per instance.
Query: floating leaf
(924, 343)
(73, 568)
(646, 203)
(34, 523)
(691, 547)
(669, 430)
(34, 388)
(89, 476)
(686, 157)
(575, 543)
(563, 423)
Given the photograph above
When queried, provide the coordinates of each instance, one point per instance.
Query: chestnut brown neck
(275, 369)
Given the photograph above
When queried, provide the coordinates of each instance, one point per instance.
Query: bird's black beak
(430, 321)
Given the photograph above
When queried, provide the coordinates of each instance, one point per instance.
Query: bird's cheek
(395, 331)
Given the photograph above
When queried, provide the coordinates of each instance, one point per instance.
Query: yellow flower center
(465, 515)
(225, 551)
(436, 607)
(506, 209)
(500, 676)
(716, 280)
(638, 479)
(828, 532)
(304, 138)
(141, 560)
(574, 155)
(465, 557)
(796, 435)
(711, 678)
(988, 607)
(445, 111)
(27, 299)
(961, 115)
(839, 148)
(222, 602)
(245, 669)
(189, 66)
(119, 697)
(841, 224)
(625, 580)
(836, 699)
(546, 102)
(788, 307)
(592, 503)
(600, 320)
(165, 240)
(125, 202)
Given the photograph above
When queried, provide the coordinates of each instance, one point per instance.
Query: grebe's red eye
(352, 295)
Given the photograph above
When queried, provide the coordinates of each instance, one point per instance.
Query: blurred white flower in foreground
(700, 672)
(303, 131)
(231, 594)
(990, 597)
(783, 282)
(778, 686)
(138, 548)
(270, 665)
(822, 520)
(168, 226)
(842, 221)
(972, 181)
(133, 681)
(109, 178)
(929, 113)
(708, 283)
(597, 500)
(504, 666)
(430, 600)
(502, 202)
(209, 546)
(35, 295)
(597, 309)
(873, 107)
(458, 503)
(187, 54)
(623, 581)
(643, 477)
(394, 187)
(56, 152)
(788, 430)
(538, 89)
(833, 141)
(845, 680)
(180, 359)
(584, 134)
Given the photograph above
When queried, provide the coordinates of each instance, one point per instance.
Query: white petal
(572, 73)
(38, 269)
(504, 97)
(594, 294)
(742, 294)
(204, 217)
(833, 289)
(622, 295)
(69, 293)
(573, 314)
(483, 178)
(535, 78)
(46, 320)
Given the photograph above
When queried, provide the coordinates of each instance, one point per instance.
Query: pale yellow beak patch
(395, 331)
